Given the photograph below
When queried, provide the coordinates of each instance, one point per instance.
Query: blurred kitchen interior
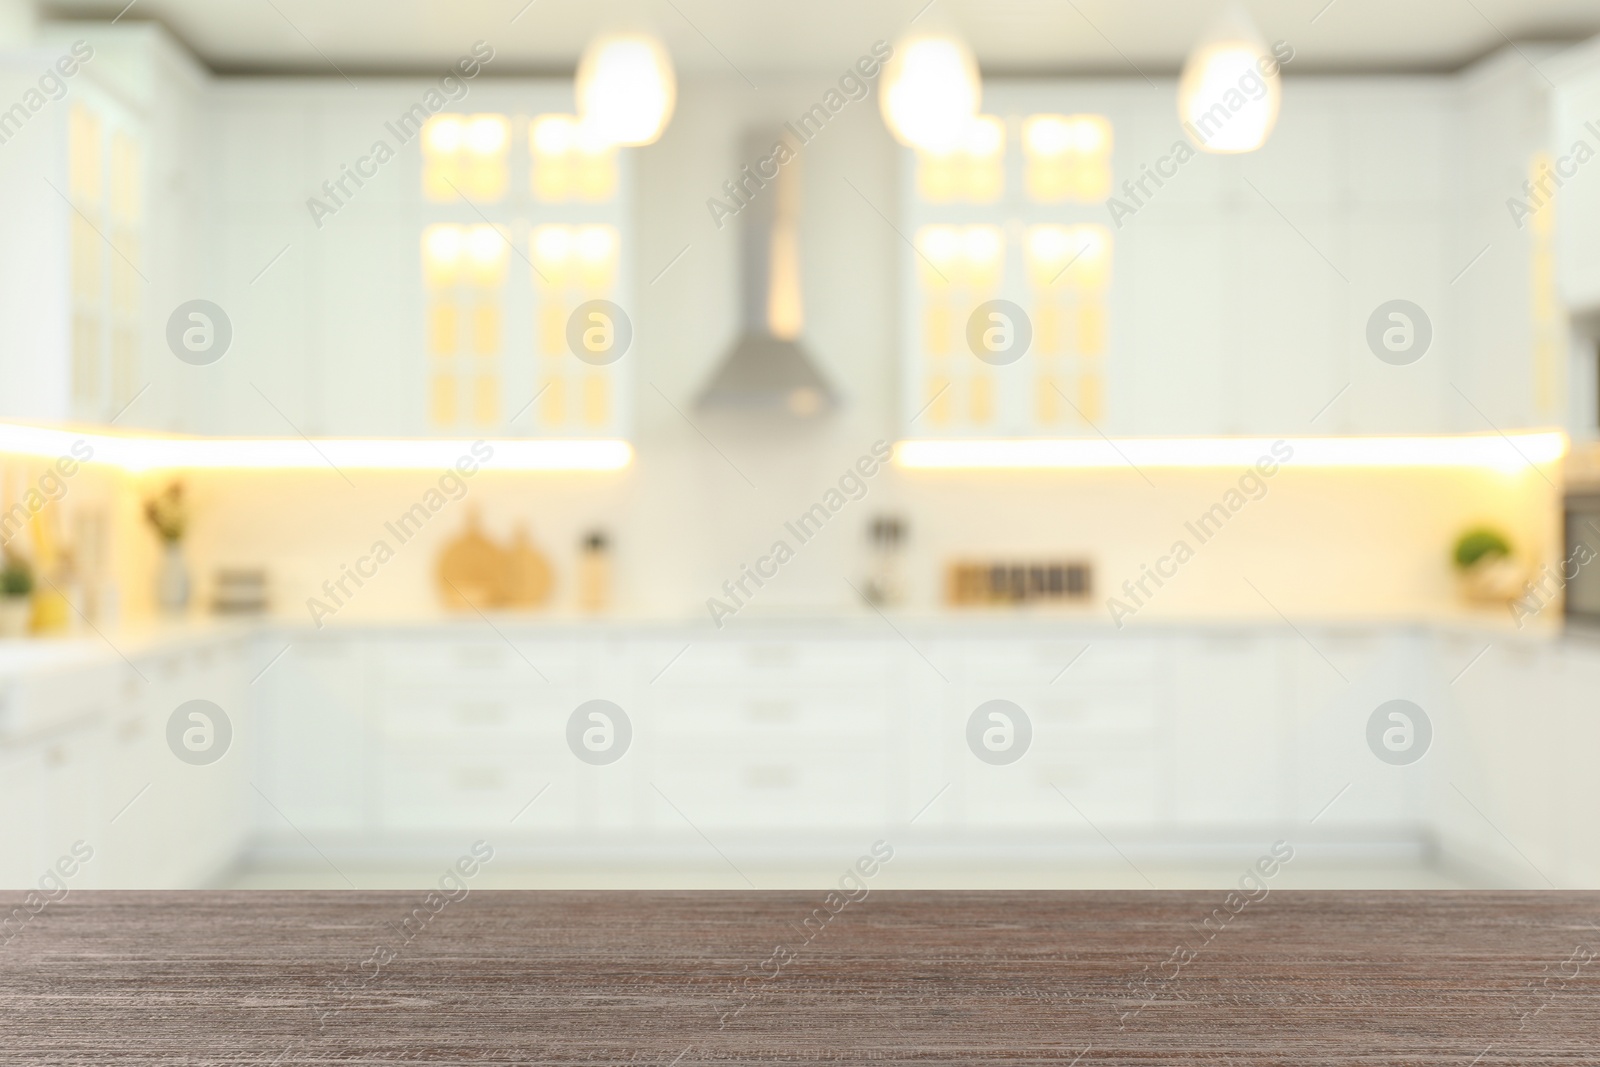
(684, 444)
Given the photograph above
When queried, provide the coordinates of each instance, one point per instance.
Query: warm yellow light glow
(554, 135)
(980, 247)
(486, 254)
(487, 134)
(1077, 255)
(442, 135)
(984, 138)
(552, 244)
(138, 453)
(930, 93)
(1048, 136)
(1511, 454)
(626, 89)
(442, 246)
(596, 248)
(1068, 157)
(942, 246)
(1229, 93)
(552, 248)
(596, 244)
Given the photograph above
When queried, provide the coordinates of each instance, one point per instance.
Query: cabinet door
(1338, 679)
(1093, 759)
(22, 857)
(1501, 808)
(1577, 220)
(1572, 759)
(469, 730)
(141, 776)
(312, 761)
(69, 769)
(799, 736)
(1229, 691)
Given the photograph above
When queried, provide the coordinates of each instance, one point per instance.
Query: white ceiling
(757, 36)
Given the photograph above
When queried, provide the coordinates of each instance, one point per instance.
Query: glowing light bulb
(626, 89)
(1229, 94)
(930, 93)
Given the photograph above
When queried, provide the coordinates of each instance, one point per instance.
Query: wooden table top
(708, 977)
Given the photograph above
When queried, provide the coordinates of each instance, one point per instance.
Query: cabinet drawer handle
(771, 711)
(481, 714)
(770, 777)
(469, 778)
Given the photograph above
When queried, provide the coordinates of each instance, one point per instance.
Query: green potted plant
(1487, 570)
(168, 515)
(16, 595)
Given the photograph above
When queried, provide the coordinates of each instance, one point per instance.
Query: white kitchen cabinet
(1576, 117)
(1578, 820)
(189, 826)
(1095, 711)
(313, 760)
(1240, 289)
(339, 334)
(18, 797)
(103, 227)
(761, 732)
(1501, 802)
(138, 764)
(793, 740)
(1226, 729)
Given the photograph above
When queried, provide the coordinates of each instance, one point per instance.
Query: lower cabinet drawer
(482, 712)
(1077, 793)
(786, 786)
(426, 786)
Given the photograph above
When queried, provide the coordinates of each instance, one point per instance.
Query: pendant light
(930, 92)
(1229, 93)
(626, 89)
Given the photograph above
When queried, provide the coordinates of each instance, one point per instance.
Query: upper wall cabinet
(1573, 183)
(415, 258)
(96, 137)
(1078, 267)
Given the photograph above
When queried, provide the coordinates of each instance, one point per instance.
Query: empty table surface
(710, 977)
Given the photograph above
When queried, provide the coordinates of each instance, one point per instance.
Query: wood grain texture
(900, 977)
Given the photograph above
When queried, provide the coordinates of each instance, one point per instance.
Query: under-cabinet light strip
(140, 452)
(1503, 452)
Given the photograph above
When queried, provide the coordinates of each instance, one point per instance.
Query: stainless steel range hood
(767, 368)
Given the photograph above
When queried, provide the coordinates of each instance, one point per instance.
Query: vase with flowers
(168, 515)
